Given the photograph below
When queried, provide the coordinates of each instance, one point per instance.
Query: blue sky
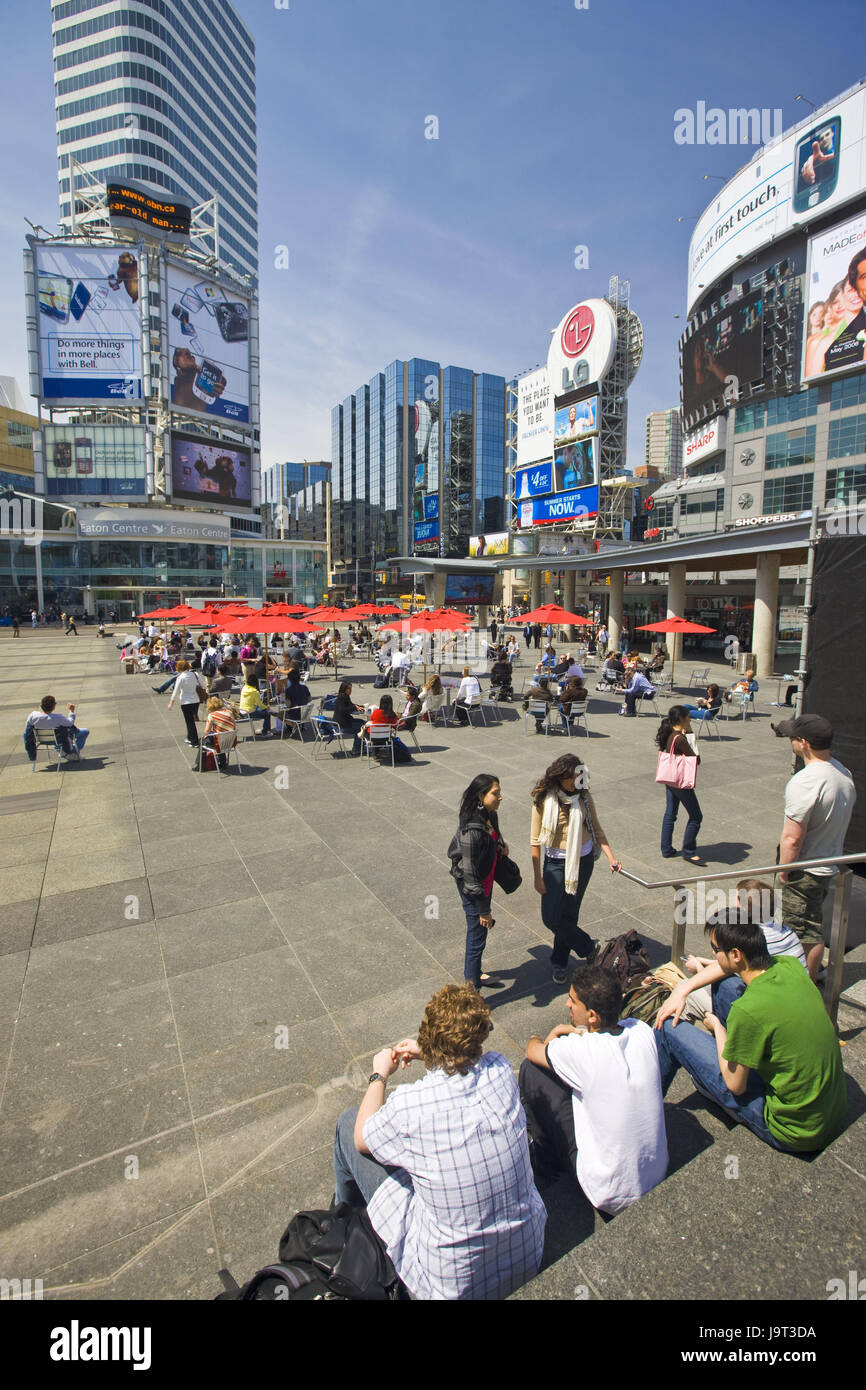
(555, 130)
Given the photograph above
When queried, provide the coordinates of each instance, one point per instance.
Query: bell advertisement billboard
(88, 324)
(208, 346)
(94, 460)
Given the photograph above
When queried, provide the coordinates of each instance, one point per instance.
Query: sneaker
(189, 743)
(560, 974)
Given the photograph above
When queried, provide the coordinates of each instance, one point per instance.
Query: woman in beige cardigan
(565, 840)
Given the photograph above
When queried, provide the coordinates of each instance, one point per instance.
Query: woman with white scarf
(565, 840)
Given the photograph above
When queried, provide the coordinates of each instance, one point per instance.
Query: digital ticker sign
(129, 206)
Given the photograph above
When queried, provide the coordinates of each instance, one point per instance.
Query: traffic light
(547, 576)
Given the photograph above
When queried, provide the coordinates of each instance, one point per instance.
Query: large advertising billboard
(575, 465)
(533, 482)
(574, 421)
(726, 350)
(426, 531)
(208, 346)
(534, 417)
(834, 336)
(89, 324)
(465, 589)
(204, 470)
(800, 177)
(94, 461)
(496, 543)
(569, 506)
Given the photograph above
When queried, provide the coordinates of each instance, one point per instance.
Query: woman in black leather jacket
(473, 853)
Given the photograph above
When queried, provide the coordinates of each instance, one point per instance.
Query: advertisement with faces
(834, 333)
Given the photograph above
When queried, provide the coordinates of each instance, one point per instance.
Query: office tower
(162, 94)
(664, 443)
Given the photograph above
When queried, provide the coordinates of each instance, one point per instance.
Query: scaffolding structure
(614, 496)
(456, 525)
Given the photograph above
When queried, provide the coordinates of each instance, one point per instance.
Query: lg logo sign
(575, 338)
(577, 331)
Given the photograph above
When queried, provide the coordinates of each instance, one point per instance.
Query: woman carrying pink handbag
(677, 770)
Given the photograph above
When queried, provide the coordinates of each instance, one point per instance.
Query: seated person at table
(540, 690)
(222, 681)
(221, 723)
(297, 695)
(747, 685)
(561, 667)
(707, 706)
(772, 1059)
(251, 703)
(593, 1098)
(385, 715)
(613, 669)
(412, 709)
(573, 669)
(548, 661)
(443, 1164)
(500, 678)
(344, 712)
(433, 689)
(573, 690)
(659, 658)
(468, 690)
(512, 651)
(636, 689)
(65, 731)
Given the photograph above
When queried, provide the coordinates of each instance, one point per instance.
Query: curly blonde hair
(455, 1027)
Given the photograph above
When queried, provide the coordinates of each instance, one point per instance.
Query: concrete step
(733, 1220)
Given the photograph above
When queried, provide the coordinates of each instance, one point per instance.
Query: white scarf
(547, 834)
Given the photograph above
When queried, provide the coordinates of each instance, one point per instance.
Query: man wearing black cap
(819, 800)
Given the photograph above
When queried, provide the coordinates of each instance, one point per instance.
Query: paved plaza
(196, 971)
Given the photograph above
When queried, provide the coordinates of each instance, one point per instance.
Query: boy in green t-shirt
(776, 1066)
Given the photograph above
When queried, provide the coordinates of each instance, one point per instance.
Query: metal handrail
(841, 907)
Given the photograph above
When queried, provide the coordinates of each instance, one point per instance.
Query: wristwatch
(376, 1076)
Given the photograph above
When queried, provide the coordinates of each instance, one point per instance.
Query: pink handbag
(676, 770)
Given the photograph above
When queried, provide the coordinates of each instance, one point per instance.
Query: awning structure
(737, 548)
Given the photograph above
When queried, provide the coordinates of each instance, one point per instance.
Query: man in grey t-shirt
(819, 800)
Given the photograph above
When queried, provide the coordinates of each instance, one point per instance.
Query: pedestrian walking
(16, 626)
(70, 625)
(536, 635)
(187, 687)
(672, 737)
(565, 840)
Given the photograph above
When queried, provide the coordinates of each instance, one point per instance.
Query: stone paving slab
(195, 971)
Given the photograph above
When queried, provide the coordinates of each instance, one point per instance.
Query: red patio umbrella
(553, 614)
(426, 623)
(674, 624)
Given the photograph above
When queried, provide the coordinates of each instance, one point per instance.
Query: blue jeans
(697, 712)
(63, 737)
(692, 1048)
(560, 910)
(356, 1175)
(265, 716)
(168, 684)
(676, 797)
(476, 940)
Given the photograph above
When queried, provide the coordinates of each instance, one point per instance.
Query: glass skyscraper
(161, 92)
(418, 463)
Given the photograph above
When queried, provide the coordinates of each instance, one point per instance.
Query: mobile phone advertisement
(89, 324)
(208, 346)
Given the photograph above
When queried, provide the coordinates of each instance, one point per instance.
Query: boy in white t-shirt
(593, 1098)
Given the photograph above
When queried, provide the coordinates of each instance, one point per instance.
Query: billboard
(89, 324)
(208, 346)
(582, 346)
(834, 335)
(426, 531)
(710, 439)
(575, 465)
(807, 173)
(534, 417)
(132, 206)
(207, 470)
(94, 460)
(728, 345)
(468, 589)
(574, 421)
(578, 505)
(533, 482)
(494, 544)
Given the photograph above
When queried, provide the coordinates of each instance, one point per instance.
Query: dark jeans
(692, 1048)
(476, 940)
(265, 716)
(549, 1119)
(631, 700)
(560, 910)
(189, 713)
(676, 797)
(356, 1175)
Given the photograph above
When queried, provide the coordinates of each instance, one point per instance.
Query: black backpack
(625, 956)
(209, 664)
(333, 1254)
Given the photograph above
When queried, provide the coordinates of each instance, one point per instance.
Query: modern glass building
(664, 442)
(418, 465)
(162, 92)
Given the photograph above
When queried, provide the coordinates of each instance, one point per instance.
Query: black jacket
(472, 853)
